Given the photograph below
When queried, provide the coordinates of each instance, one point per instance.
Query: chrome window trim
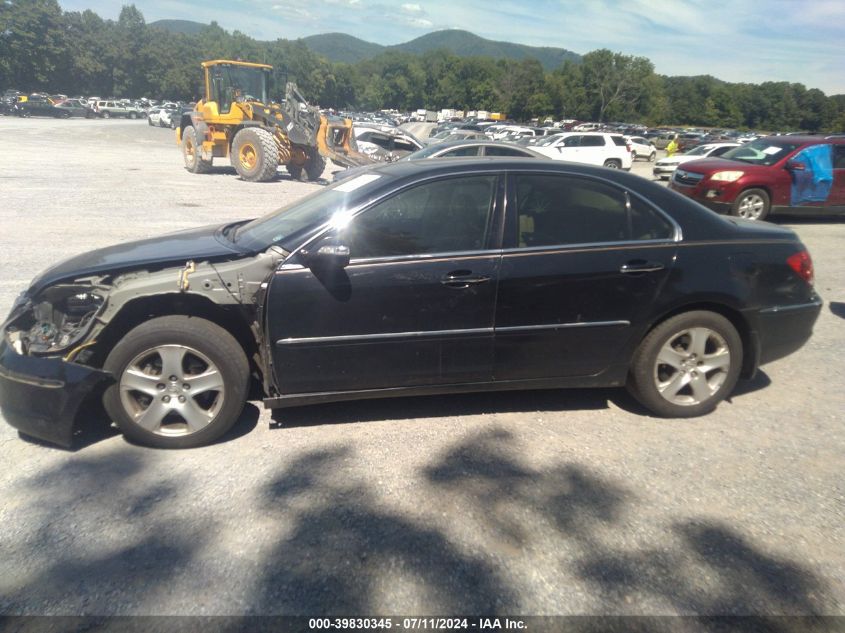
(500, 173)
(561, 326)
(367, 204)
(677, 237)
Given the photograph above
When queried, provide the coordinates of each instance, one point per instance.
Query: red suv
(775, 174)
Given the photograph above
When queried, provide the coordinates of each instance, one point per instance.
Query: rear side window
(620, 141)
(461, 151)
(592, 141)
(503, 151)
(561, 210)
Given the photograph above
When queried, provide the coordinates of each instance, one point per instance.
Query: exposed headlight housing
(727, 176)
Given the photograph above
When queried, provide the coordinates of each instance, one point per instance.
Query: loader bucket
(336, 142)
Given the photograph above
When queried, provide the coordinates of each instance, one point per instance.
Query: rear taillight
(802, 264)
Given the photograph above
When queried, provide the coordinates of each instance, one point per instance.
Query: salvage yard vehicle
(37, 105)
(238, 119)
(592, 148)
(419, 277)
(776, 174)
(75, 108)
(665, 167)
(107, 109)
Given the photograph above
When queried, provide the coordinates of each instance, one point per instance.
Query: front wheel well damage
(237, 320)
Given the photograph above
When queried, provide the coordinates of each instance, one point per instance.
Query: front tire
(106, 114)
(315, 165)
(180, 382)
(686, 365)
(652, 157)
(752, 204)
(192, 153)
(254, 155)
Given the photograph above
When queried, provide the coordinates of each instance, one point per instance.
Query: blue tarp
(814, 183)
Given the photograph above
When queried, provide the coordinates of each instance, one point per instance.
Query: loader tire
(315, 165)
(254, 155)
(295, 171)
(192, 153)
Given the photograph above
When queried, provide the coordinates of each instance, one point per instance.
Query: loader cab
(228, 82)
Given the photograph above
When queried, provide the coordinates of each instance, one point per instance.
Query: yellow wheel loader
(239, 119)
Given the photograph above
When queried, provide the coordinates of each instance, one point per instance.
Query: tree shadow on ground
(339, 545)
(695, 566)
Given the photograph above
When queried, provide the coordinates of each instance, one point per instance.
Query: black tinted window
(554, 210)
(839, 156)
(620, 141)
(443, 216)
(503, 151)
(461, 151)
(593, 141)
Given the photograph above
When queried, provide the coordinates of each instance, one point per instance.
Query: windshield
(238, 84)
(760, 152)
(284, 226)
(701, 150)
(549, 140)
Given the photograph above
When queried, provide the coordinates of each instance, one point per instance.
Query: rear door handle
(462, 279)
(640, 266)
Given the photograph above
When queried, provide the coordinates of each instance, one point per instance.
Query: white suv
(593, 148)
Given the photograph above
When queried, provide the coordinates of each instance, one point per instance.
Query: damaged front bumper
(40, 396)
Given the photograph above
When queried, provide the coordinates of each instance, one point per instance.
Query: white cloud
(420, 23)
(412, 8)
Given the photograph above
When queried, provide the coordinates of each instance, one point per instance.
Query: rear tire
(106, 114)
(132, 115)
(686, 365)
(150, 122)
(254, 155)
(191, 152)
(613, 163)
(180, 382)
(751, 204)
(652, 157)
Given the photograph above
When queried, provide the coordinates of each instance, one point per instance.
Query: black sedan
(419, 277)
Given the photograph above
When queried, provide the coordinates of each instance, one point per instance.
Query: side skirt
(612, 377)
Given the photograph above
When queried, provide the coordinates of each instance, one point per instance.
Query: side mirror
(795, 165)
(329, 255)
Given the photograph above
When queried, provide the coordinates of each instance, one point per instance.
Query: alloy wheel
(172, 390)
(692, 366)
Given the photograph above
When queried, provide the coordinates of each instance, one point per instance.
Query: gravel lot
(570, 502)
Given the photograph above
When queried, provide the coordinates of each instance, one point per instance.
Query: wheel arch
(750, 342)
(137, 311)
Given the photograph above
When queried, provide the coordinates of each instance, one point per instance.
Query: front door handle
(462, 279)
(641, 266)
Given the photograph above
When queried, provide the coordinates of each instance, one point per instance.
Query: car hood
(709, 165)
(174, 248)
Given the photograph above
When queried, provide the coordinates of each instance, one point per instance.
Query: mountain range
(339, 47)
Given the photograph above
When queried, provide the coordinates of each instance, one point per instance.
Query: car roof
(802, 139)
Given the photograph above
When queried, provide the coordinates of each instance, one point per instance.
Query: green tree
(614, 83)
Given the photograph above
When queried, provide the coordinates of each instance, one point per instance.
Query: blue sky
(737, 40)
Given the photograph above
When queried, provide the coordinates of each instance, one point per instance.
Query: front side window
(444, 216)
(561, 210)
